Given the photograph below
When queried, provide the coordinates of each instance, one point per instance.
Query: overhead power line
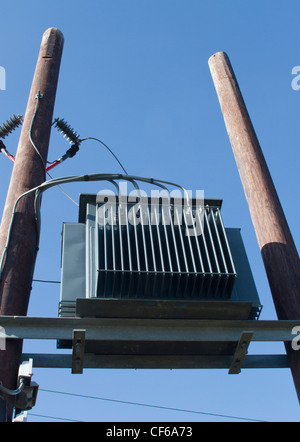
(46, 281)
(54, 418)
(151, 406)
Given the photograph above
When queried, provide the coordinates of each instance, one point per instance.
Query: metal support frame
(81, 330)
(78, 351)
(122, 329)
(240, 353)
(91, 362)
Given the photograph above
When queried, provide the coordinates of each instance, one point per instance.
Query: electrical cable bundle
(39, 190)
(74, 138)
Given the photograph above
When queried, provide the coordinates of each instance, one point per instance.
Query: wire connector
(69, 154)
(2, 146)
(5, 152)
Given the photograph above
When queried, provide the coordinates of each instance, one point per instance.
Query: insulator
(67, 131)
(10, 125)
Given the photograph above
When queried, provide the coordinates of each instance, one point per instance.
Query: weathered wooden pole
(28, 172)
(277, 247)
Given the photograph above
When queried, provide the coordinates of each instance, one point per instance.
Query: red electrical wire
(54, 164)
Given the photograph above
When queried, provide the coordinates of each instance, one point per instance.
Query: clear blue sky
(135, 74)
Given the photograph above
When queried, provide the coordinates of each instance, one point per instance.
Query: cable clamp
(2, 146)
(39, 95)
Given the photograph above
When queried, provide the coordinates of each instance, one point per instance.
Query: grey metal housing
(122, 260)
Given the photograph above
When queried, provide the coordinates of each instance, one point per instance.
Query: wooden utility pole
(277, 247)
(28, 172)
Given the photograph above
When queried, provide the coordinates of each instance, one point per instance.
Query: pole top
(218, 56)
(51, 32)
(52, 43)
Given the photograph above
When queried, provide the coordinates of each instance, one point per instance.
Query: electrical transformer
(133, 258)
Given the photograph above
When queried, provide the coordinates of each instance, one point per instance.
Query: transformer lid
(90, 198)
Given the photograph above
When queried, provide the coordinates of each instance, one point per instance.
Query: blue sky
(135, 74)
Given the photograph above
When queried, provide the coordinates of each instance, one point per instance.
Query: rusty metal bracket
(240, 352)
(78, 351)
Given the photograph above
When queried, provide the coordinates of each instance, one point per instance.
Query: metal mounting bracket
(240, 352)
(26, 399)
(78, 351)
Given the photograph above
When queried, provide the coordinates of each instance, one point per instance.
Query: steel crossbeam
(151, 330)
(64, 361)
(112, 329)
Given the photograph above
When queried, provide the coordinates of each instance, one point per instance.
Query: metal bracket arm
(78, 351)
(240, 352)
